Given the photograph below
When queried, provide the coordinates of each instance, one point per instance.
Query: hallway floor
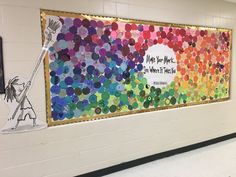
(218, 160)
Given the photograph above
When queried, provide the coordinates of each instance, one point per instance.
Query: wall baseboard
(140, 161)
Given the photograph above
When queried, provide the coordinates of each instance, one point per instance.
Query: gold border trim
(45, 12)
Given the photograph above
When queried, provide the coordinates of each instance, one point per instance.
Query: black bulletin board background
(2, 82)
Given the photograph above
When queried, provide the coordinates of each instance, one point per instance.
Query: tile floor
(218, 160)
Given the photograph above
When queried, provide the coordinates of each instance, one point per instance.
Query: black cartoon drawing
(15, 90)
(23, 116)
(2, 84)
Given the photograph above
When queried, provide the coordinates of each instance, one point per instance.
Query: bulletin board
(101, 67)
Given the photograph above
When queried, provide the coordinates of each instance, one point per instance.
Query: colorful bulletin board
(101, 67)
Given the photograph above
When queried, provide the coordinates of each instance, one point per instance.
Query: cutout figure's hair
(10, 93)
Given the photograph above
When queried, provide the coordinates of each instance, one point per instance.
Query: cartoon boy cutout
(15, 90)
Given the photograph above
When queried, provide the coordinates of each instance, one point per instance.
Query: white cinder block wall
(70, 150)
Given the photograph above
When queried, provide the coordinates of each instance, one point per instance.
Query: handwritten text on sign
(160, 65)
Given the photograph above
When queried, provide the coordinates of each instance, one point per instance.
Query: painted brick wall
(70, 150)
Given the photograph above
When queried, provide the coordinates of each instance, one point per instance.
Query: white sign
(160, 65)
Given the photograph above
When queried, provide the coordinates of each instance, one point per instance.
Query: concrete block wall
(70, 150)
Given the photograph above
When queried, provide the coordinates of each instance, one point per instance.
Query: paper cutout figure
(23, 117)
(22, 113)
(14, 90)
